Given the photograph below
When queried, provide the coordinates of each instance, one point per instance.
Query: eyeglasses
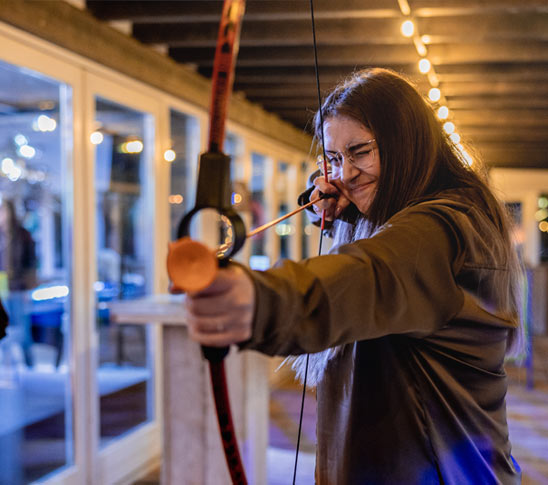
(357, 155)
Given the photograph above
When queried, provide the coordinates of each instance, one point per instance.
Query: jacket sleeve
(398, 281)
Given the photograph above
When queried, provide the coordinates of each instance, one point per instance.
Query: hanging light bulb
(434, 94)
(467, 158)
(407, 28)
(424, 65)
(449, 127)
(443, 112)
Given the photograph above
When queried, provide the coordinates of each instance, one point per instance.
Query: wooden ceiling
(490, 57)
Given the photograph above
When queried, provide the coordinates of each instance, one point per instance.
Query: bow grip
(216, 354)
(215, 192)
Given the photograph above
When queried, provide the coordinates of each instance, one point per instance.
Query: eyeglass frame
(341, 157)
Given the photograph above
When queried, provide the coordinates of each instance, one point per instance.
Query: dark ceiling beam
(507, 118)
(381, 55)
(470, 73)
(209, 11)
(303, 73)
(327, 56)
(524, 75)
(331, 31)
(493, 105)
(494, 89)
(502, 136)
(497, 103)
(514, 157)
(488, 90)
(485, 28)
(502, 68)
(489, 52)
(429, 8)
(277, 33)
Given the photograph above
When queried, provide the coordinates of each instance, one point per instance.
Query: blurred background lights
(96, 138)
(284, 229)
(175, 199)
(443, 112)
(15, 173)
(20, 140)
(44, 123)
(465, 155)
(434, 94)
(543, 226)
(455, 137)
(26, 151)
(49, 293)
(449, 127)
(170, 155)
(7, 165)
(133, 146)
(426, 39)
(541, 214)
(407, 28)
(543, 202)
(236, 198)
(424, 66)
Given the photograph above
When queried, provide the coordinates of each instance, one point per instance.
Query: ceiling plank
(276, 33)
(210, 11)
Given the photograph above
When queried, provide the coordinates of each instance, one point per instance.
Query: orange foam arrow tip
(191, 266)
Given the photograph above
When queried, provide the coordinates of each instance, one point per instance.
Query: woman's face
(354, 149)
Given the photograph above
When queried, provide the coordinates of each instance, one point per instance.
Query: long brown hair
(417, 160)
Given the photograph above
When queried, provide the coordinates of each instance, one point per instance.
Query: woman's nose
(348, 171)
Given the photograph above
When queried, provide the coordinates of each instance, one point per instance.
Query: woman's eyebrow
(359, 145)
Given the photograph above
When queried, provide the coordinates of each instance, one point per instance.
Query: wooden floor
(527, 420)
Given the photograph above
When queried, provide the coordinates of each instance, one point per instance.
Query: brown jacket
(417, 396)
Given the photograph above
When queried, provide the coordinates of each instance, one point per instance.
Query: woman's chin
(363, 204)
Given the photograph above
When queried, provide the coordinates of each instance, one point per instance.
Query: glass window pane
(35, 287)
(233, 148)
(259, 212)
(285, 230)
(185, 135)
(123, 155)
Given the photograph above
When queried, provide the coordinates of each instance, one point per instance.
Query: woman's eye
(363, 153)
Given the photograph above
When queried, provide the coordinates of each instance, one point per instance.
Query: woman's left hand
(222, 314)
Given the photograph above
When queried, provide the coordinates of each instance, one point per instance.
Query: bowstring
(325, 173)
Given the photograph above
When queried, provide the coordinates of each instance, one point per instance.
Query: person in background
(18, 265)
(409, 318)
(17, 250)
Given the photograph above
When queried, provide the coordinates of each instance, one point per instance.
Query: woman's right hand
(333, 206)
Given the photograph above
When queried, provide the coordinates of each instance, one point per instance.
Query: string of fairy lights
(409, 29)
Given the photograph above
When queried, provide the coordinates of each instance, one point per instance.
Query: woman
(411, 314)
